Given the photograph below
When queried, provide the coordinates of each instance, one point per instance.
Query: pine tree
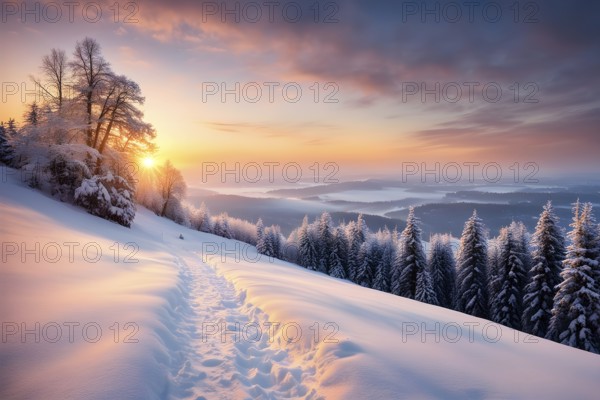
(412, 261)
(370, 256)
(576, 314)
(307, 252)
(325, 243)
(493, 266)
(382, 280)
(274, 238)
(32, 115)
(548, 256)
(261, 246)
(396, 265)
(442, 268)
(356, 237)
(339, 255)
(6, 150)
(424, 291)
(471, 279)
(11, 128)
(507, 304)
(521, 237)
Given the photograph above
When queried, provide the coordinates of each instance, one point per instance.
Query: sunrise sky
(369, 56)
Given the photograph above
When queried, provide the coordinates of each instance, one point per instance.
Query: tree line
(534, 283)
(546, 283)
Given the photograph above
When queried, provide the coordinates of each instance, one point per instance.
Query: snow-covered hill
(93, 310)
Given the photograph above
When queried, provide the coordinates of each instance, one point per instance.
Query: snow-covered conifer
(576, 314)
(471, 276)
(544, 276)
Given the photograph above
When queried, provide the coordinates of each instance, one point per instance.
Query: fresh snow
(181, 295)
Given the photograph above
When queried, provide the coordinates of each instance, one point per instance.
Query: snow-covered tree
(68, 166)
(382, 280)
(576, 314)
(121, 98)
(471, 277)
(261, 245)
(370, 257)
(200, 218)
(32, 115)
(53, 86)
(412, 261)
(324, 242)
(107, 196)
(493, 263)
(544, 276)
(396, 267)
(442, 268)
(271, 245)
(170, 185)
(11, 127)
(507, 302)
(242, 230)
(90, 71)
(339, 259)
(221, 226)
(356, 232)
(425, 292)
(522, 239)
(6, 150)
(307, 252)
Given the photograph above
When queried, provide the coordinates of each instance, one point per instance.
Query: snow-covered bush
(67, 167)
(107, 196)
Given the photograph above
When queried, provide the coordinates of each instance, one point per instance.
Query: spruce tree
(442, 268)
(6, 150)
(339, 255)
(396, 265)
(507, 303)
(576, 314)
(32, 115)
(471, 278)
(412, 261)
(261, 246)
(370, 257)
(382, 280)
(424, 291)
(307, 252)
(325, 243)
(521, 237)
(544, 276)
(356, 237)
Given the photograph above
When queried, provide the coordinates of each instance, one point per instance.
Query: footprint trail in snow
(225, 356)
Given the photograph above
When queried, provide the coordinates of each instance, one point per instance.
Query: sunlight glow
(148, 162)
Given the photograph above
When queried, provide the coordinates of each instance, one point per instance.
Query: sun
(148, 162)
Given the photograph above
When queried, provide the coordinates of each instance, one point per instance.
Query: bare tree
(54, 82)
(170, 185)
(90, 71)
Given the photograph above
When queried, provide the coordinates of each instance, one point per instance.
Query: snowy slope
(195, 307)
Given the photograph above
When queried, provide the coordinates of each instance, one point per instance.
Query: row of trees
(528, 282)
(533, 283)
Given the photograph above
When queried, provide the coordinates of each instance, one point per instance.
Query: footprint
(212, 362)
